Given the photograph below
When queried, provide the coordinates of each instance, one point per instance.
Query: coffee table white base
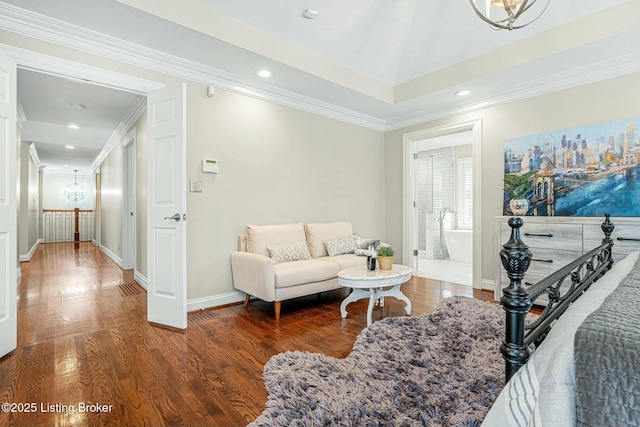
(371, 284)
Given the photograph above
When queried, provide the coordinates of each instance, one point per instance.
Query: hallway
(83, 339)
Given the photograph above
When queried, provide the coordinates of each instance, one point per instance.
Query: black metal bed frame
(520, 338)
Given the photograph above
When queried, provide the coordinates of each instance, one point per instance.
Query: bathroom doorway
(443, 184)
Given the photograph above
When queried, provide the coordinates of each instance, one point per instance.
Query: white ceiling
(51, 104)
(391, 63)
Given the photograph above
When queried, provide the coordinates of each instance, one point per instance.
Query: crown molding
(34, 156)
(31, 24)
(592, 73)
(21, 117)
(121, 131)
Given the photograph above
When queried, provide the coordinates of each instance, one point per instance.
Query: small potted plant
(520, 188)
(385, 257)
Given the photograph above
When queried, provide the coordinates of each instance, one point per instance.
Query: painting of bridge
(579, 172)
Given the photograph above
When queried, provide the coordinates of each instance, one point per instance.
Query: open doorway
(442, 203)
(444, 207)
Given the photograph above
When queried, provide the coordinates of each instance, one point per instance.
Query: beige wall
(277, 165)
(600, 102)
(29, 213)
(111, 172)
(141, 195)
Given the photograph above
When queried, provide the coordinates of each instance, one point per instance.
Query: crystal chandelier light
(75, 191)
(502, 14)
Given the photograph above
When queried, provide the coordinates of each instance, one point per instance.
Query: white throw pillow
(286, 253)
(343, 245)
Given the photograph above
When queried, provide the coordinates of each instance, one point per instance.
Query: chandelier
(75, 191)
(502, 14)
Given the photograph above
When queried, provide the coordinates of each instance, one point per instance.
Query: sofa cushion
(317, 233)
(260, 236)
(344, 245)
(287, 253)
(344, 261)
(300, 272)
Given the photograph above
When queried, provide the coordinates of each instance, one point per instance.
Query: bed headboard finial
(516, 257)
(607, 228)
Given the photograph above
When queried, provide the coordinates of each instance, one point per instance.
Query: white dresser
(556, 241)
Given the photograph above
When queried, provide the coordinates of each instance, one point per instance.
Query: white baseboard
(94, 242)
(488, 285)
(214, 301)
(27, 257)
(142, 280)
(18, 274)
(115, 258)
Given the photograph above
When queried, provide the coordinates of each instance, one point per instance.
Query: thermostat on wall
(209, 166)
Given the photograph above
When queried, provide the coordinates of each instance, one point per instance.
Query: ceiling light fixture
(70, 147)
(75, 191)
(502, 14)
(264, 73)
(72, 126)
(463, 92)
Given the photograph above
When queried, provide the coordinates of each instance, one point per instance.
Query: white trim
(18, 274)
(27, 257)
(21, 117)
(408, 185)
(123, 128)
(142, 280)
(115, 258)
(34, 156)
(488, 285)
(32, 24)
(214, 301)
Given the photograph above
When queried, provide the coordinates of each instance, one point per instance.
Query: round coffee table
(370, 284)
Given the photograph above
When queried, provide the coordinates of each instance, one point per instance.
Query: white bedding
(542, 392)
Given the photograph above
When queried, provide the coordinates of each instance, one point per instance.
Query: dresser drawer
(621, 248)
(563, 237)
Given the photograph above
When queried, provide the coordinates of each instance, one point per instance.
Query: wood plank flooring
(83, 340)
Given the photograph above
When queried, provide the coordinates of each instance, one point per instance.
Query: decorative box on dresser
(556, 241)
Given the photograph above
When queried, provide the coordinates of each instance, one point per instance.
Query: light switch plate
(195, 186)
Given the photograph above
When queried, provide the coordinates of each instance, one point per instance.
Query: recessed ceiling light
(70, 147)
(72, 126)
(463, 92)
(66, 166)
(264, 73)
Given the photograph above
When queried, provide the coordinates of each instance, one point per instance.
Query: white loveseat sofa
(280, 262)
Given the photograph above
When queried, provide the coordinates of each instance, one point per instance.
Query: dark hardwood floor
(83, 340)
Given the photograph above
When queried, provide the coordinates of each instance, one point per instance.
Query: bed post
(516, 257)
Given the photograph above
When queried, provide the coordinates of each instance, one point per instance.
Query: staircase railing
(68, 225)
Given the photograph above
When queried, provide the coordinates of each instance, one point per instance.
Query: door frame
(409, 221)
(35, 61)
(129, 201)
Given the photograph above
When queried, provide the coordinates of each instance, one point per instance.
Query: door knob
(175, 217)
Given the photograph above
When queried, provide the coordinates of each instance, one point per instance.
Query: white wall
(53, 190)
(600, 102)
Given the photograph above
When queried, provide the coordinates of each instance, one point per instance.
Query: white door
(166, 207)
(8, 207)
